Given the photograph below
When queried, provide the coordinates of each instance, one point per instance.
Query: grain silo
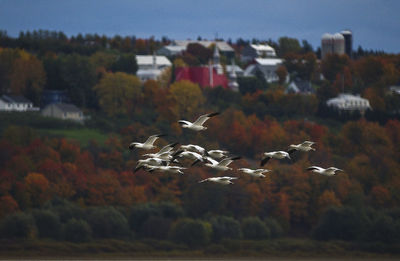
(348, 42)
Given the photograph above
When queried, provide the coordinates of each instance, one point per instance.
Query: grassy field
(82, 136)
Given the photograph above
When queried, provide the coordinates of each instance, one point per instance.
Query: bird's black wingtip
(137, 169)
(236, 158)
(195, 162)
(213, 114)
(174, 144)
(264, 161)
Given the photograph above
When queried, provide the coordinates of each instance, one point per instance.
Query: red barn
(204, 76)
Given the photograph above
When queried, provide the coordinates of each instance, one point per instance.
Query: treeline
(165, 221)
(39, 169)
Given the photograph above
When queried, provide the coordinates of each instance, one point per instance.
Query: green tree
(191, 232)
(118, 92)
(18, 225)
(79, 75)
(344, 223)
(47, 223)
(288, 45)
(77, 231)
(225, 227)
(107, 222)
(125, 63)
(254, 228)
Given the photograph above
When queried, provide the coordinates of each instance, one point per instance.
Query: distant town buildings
(178, 46)
(300, 86)
(233, 84)
(150, 67)
(16, 103)
(63, 111)
(349, 102)
(267, 66)
(171, 50)
(338, 43)
(206, 76)
(253, 51)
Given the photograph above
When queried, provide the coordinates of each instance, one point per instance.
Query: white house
(150, 67)
(267, 66)
(64, 111)
(16, 103)
(253, 51)
(349, 102)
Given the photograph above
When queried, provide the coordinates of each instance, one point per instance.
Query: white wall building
(349, 102)
(16, 103)
(64, 111)
(150, 67)
(267, 66)
(253, 51)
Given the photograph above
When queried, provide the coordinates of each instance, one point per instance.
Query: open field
(82, 136)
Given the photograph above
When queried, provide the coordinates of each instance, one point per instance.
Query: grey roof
(15, 99)
(303, 86)
(66, 107)
(222, 46)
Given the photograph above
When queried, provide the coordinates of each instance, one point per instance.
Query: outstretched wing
(167, 148)
(227, 161)
(314, 168)
(202, 119)
(150, 140)
(227, 178)
(264, 161)
(308, 143)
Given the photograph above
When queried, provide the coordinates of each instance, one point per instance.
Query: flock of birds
(163, 160)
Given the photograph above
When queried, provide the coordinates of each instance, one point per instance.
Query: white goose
(170, 169)
(221, 180)
(189, 155)
(194, 148)
(143, 163)
(275, 155)
(305, 146)
(198, 124)
(148, 144)
(217, 154)
(326, 172)
(258, 173)
(163, 153)
(222, 165)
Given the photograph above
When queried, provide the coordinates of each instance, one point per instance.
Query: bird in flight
(221, 180)
(326, 172)
(198, 124)
(148, 144)
(258, 173)
(274, 154)
(305, 146)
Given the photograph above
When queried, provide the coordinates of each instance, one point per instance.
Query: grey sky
(375, 23)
